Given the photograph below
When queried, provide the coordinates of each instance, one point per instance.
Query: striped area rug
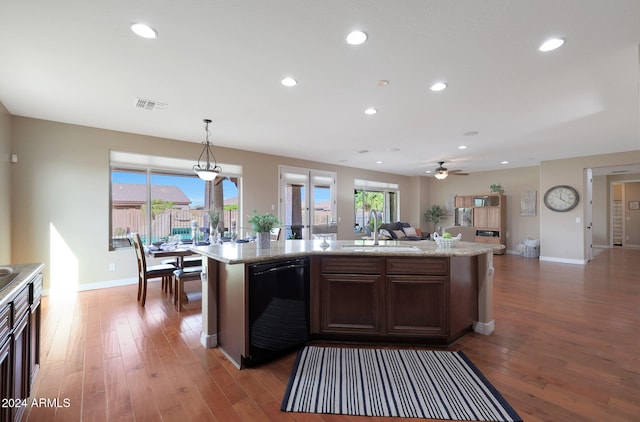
(389, 382)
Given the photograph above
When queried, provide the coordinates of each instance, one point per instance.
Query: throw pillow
(384, 233)
(399, 234)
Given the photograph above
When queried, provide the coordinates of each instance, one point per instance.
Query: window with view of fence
(169, 222)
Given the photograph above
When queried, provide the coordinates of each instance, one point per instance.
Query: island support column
(209, 334)
(486, 323)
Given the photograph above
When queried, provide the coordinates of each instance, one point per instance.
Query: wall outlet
(112, 266)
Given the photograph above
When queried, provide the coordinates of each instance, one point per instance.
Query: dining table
(179, 252)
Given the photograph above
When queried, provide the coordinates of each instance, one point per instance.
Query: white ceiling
(77, 61)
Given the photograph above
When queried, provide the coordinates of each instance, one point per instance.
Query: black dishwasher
(278, 308)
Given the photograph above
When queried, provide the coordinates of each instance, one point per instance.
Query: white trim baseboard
(101, 285)
(563, 260)
(485, 328)
(209, 341)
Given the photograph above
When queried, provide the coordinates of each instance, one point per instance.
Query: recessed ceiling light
(356, 37)
(379, 162)
(504, 162)
(371, 111)
(438, 86)
(462, 147)
(289, 82)
(551, 44)
(427, 171)
(144, 31)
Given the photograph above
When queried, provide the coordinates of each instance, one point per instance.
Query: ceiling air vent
(144, 104)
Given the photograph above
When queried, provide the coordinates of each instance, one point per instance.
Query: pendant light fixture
(208, 170)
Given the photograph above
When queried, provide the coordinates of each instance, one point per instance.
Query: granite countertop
(26, 273)
(239, 253)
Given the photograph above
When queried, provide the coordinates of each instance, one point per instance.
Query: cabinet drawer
(352, 265)
(428, 266)
(5, 322)
(21, 304)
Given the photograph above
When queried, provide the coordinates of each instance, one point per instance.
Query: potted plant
(262, 225)
(214, 221)
(496, 188)
(434, 214)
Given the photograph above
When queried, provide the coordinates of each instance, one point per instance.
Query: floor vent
(150, 105)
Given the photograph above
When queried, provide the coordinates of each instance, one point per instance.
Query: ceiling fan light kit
(442, 172)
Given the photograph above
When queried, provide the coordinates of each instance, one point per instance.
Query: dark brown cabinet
(19, 348)
(351, 295)
(417, 300)
(391, 299)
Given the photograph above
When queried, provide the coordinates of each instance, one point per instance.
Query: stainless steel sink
(7, 276)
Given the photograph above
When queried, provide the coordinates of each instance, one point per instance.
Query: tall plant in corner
(434, 214)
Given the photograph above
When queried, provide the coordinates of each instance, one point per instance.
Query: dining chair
(180, 276)
(275, 233)
(145, 272)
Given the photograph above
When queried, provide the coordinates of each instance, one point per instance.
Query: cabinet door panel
(480, 217)
(21, 363)
(351, 303)
(5, 378)
(493, 218)
(416, 305)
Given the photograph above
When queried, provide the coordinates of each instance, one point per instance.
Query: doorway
(307, 203)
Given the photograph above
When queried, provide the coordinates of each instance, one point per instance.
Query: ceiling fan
(442, 172)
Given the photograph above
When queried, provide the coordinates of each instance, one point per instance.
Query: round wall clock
(561, 198)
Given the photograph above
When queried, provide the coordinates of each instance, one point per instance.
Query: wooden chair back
(275, 233)
(142, 261)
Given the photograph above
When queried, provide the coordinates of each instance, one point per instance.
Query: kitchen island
(396, 292)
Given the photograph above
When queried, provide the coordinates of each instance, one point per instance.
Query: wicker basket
(446, 243)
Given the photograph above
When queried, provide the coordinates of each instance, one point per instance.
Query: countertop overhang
(248, 253)
(26, 273)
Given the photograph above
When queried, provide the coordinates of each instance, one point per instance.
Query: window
(379, 196)
(161, 199)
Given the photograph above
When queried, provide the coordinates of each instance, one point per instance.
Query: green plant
(263, 223)
(496, 188)
(434, 214)
(214, 218)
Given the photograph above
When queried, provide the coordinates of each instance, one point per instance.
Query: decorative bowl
(446, 243)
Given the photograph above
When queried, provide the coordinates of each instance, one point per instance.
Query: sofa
(401, 231)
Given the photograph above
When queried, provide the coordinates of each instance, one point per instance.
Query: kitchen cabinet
(19, 342)
(416, 292)
(393, 299)
(351, 291)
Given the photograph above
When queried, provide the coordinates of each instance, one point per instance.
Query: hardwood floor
(566, 348)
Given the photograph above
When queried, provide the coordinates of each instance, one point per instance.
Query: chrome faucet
(375, 226)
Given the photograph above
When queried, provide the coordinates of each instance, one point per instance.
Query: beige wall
(562, 236)
(514, 182)
(59, 201)
(5, 186)
(60, 195)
